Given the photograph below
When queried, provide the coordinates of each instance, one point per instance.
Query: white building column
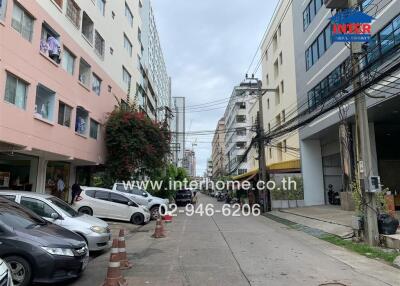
(41, 175)
(312, 170)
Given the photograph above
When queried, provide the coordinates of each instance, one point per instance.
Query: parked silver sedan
(95, 231)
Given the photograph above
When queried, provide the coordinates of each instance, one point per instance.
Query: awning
(292, 166)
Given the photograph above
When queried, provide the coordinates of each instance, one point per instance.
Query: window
(279, 30)
(100, 195)
(284, 146)
(269, 127)
(276, 69)
(275, 41)
(321, 44)
(87, 27)
(241, 131)
(90, 193)
(44, 104)
(73, 13)
(318, 47)
(3, 9)
(277, 97)
(306, 18)
(40, 208)
(240, 145)
(16, 91)
(84, 72)
(50, 43)
(278, 120)
(241, 105)
(101, 5)
(22, 22)
(308, 59)
(115, 198)
(267, 78)
(280, 58)
(282, 87)
(128, 15)
(283, 116)
(94, 128)
(96, 84)
(99, 44)
(314, 51)
(64, 114)
(268, 103)
(68, 61)
(82, 118)
(139, 35)
(270, 152)
(127, 45)
(240, 118)
(9, 197)
(126, 78)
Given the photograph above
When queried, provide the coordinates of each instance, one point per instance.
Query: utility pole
(262, 164)
(363, 151)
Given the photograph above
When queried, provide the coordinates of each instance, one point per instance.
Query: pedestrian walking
(60, 187)
(76, 191)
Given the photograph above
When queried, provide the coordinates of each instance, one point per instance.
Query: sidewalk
(329, 219)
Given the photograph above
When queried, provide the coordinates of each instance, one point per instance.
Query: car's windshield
(17, 217)
(64, 206)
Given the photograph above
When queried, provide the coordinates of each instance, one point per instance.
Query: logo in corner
(351, 25)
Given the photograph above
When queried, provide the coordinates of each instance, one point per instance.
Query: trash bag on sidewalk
(387, 224)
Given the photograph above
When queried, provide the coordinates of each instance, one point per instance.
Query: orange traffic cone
(114, 274)
(123, 259)
(159, 231)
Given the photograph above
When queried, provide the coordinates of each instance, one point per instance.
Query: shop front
(18, 171)
(58, 179)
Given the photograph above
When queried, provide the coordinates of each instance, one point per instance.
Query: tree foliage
(136, 145)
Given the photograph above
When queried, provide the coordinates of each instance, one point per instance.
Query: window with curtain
(3, 9)
(96, 84)
(16, 91)
(22, 22)
(68, 61)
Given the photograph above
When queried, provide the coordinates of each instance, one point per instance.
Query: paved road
(239, 251)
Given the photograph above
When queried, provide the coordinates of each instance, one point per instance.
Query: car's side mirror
(55, 216)
(145, 195)
(130, 203)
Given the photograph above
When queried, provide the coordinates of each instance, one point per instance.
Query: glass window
(59, 3)
(115, 198)
(99, 45)
(308, 59)
(318, 5)
(102, 195)
(96, 84)
(3, 9)
(128, 15)
(94, 129)
(9, 197)
(16, 217)
(306, 17)
(311, 99)
(87, 27)
(38, 207)
(64, 206)
(126, 78)
(127, 45)
(64, 114)
(84, 72)
(328, 36)
(50, 43)
(396, 30)
(312, 10)
(321, 44)
(22, 22)
(16, 91)
(386, 38)
(314, 49)
(82, 118)
(44, 104)
(73, 13)
(90, 193)
(240, 118)
(373, 49)
(101, 5)
(68, 61)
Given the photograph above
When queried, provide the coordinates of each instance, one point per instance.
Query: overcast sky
(208, 46)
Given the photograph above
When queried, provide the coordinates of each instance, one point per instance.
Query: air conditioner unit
(336, 4)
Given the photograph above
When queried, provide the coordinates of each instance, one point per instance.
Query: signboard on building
(351, 25)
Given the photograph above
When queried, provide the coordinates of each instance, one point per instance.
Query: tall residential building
(209, 170)
(278, 72)
(189, 162)
(155, 91)
(178, 130)
(323, 69)
(63, 65)
(218, 150)
(237, 125)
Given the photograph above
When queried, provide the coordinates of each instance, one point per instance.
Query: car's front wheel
(85, 210)
(137, 219)
(155, 212)
(21, 270)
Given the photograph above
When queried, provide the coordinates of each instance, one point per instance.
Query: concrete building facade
(218, 150)
(178, 125)
(63, 65)
(189, 163)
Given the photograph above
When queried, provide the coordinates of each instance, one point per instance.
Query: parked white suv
(95, 231)
(142, 197)
(105, 203)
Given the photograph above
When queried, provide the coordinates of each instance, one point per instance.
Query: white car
(95, 231)
(105, 203)
(142, 197)
(5, 274)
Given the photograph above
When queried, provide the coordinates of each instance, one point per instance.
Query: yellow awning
(286, 166)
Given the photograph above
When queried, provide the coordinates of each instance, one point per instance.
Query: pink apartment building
(53, 103)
